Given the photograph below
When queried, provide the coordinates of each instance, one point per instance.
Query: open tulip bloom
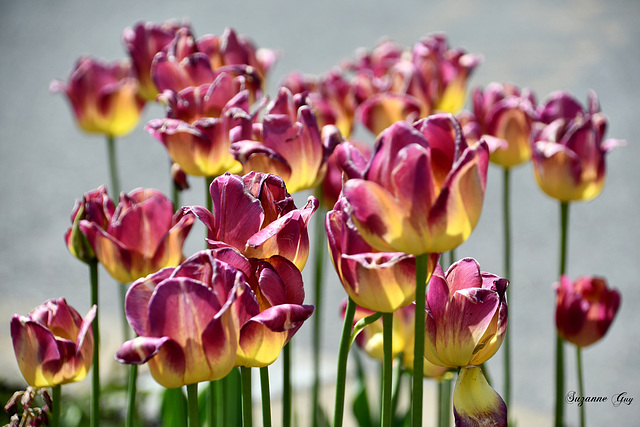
(53, 344)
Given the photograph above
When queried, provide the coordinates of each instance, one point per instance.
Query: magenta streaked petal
(137, 299)
(140, 349)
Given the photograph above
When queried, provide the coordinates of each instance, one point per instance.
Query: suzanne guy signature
(616, 399)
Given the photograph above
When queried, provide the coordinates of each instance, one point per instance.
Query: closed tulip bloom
(475, 403)
(256, 216)
(378, 281)
(505, 113)
(466, 315)
(289, 142)
(186, 330)
(370, 339)
(423, 189)
(53, 344)
(569, 148)
(143, 41)
(585, 309)
(104, 97)
(199, 120)
(95, 206)
(142, 236)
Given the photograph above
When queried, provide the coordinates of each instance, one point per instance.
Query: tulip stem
(387, 368)
(506, 345)
(343, 355)
(320, 239)
(192, 402)
(444, 400)
(56, 400)
(247, 408)
(564, 226)
(580, 384)
(95, 374)
(422, 262)
(266, 396)
(286, 385)
(131, 391)
(113, 167)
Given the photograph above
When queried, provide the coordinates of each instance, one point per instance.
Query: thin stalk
(452, 256)
(564, 231)
(422, 262)
(266, 396)
(192, 404)
(247, 409)
(320, 239)
(207, 195)
(444, 402)
(113, 167)
(343, 355)
(131, 392)
(395, 395)
(95, 374)
(56, 398)
(506, 345)
(286, 386)
(580, 384)
(387, 368)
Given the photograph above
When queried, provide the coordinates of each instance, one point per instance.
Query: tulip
(95, 206)
(143, 41)
(466, 315)
(104, 97)
(569, 148)
(585, 309)
(142, 236)
(53, 344)
(256, 216)
(378, 281)
(186, 330)
(423, 189)
(475, 402)
(288, 142)
(505, 113)
(348, 160)
(196, 131)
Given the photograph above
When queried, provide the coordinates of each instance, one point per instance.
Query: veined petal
(137, 300)
(475, 403)
(115, 258)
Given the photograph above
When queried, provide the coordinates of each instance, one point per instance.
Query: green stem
(56, 398)
(395, 395)
(113, 167)
(387, 368)
(131, 392)
(343, 354)
(564, 231)
(320, 239)
(192, 404)
(444, 402)
(95, 374)
(506, 345)
(266, 396)
(452, 256)
(580, 384)
(247, 408)
(286, 386)
(422, 262)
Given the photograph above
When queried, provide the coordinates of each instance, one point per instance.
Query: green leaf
(363, 323)
(173, 409)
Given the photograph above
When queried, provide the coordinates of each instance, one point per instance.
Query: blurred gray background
(47, 163)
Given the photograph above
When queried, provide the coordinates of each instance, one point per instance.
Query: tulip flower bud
(475, 403)
(585, 309)
(53, 344)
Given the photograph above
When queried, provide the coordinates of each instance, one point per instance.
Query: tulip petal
(35, 347)
(475, 403)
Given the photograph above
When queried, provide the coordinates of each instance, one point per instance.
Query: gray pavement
(47, 163)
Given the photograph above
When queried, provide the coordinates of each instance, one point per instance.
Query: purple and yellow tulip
(423, 189)
(196, 132)
(256, 216)
(348, 160)
(104, 96)
(186, 328)
(505, 113)
(288, 142)
(96, 207)
(143, 41)
(475, 402)
(378, 281)
(142, 236)
(53, 344)
(466, 315)
(585, 309)
(569, 148)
